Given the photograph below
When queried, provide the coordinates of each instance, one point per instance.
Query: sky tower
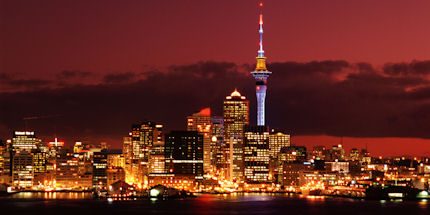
(261, 74)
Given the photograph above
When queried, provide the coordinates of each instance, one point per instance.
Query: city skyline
(379, 104)
(173, 133)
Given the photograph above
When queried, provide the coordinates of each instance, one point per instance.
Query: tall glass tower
(261, 74)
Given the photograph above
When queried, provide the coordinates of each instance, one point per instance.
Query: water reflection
(51, 195)
(239, 203)
(423, 204)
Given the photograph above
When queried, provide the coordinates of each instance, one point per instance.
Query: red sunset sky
(357, 69)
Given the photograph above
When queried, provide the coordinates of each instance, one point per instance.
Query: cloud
(119, 78)
(9, 83)
(408, 69)
(321, 97)
(71, 74)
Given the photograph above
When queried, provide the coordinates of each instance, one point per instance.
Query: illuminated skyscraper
(24, 141)
(261, 74)
(67, 167)
(236, 116)
(39, 166)
(100, 169)
(143, 136)
(235, 158)
(156, 158)
(127, 150)
(277, 141)
(217, 130)
(184, 154)
(256, 154)
(201, 122)
(22, 169)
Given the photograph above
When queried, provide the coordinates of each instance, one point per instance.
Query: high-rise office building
(5, 162)
(184, 153)
(22, 169)
(236, 117)
(217, 130)
(261, 74)
(236, 114)
(24, 141)
(234, 157)
(100, 169)
(67, 168)
(137, 152)
(278, 140)
(256, 154)
(127, 150)
(116, 160)
(143, 135)
(156, 158)
(22, 145)
(2, 157)
(39, 166)
(201, 122)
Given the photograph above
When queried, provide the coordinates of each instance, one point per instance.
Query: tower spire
(261, 60)
(261, 74)
(261, 51)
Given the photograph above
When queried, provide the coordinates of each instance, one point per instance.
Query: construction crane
(26, 119)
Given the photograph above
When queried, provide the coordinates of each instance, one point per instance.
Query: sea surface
(255, 203)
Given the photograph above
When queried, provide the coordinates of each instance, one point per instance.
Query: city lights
(216, 151)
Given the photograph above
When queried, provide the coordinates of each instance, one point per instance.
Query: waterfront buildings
(236, 117)
(22, 169)
(156, 158)
(184, 154)
(137, 150)
(291, 172)
(100, 169)
(217, 138)
(116, 159)
(256, 154)
(201, 122)
(338, 166)
(39, 166)
(293, 154)
(278, 140)
(115, 174)
(234, 156)
(24, 141)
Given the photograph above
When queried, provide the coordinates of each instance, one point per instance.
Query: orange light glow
(205, 112)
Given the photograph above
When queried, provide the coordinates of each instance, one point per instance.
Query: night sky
(89, 69)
